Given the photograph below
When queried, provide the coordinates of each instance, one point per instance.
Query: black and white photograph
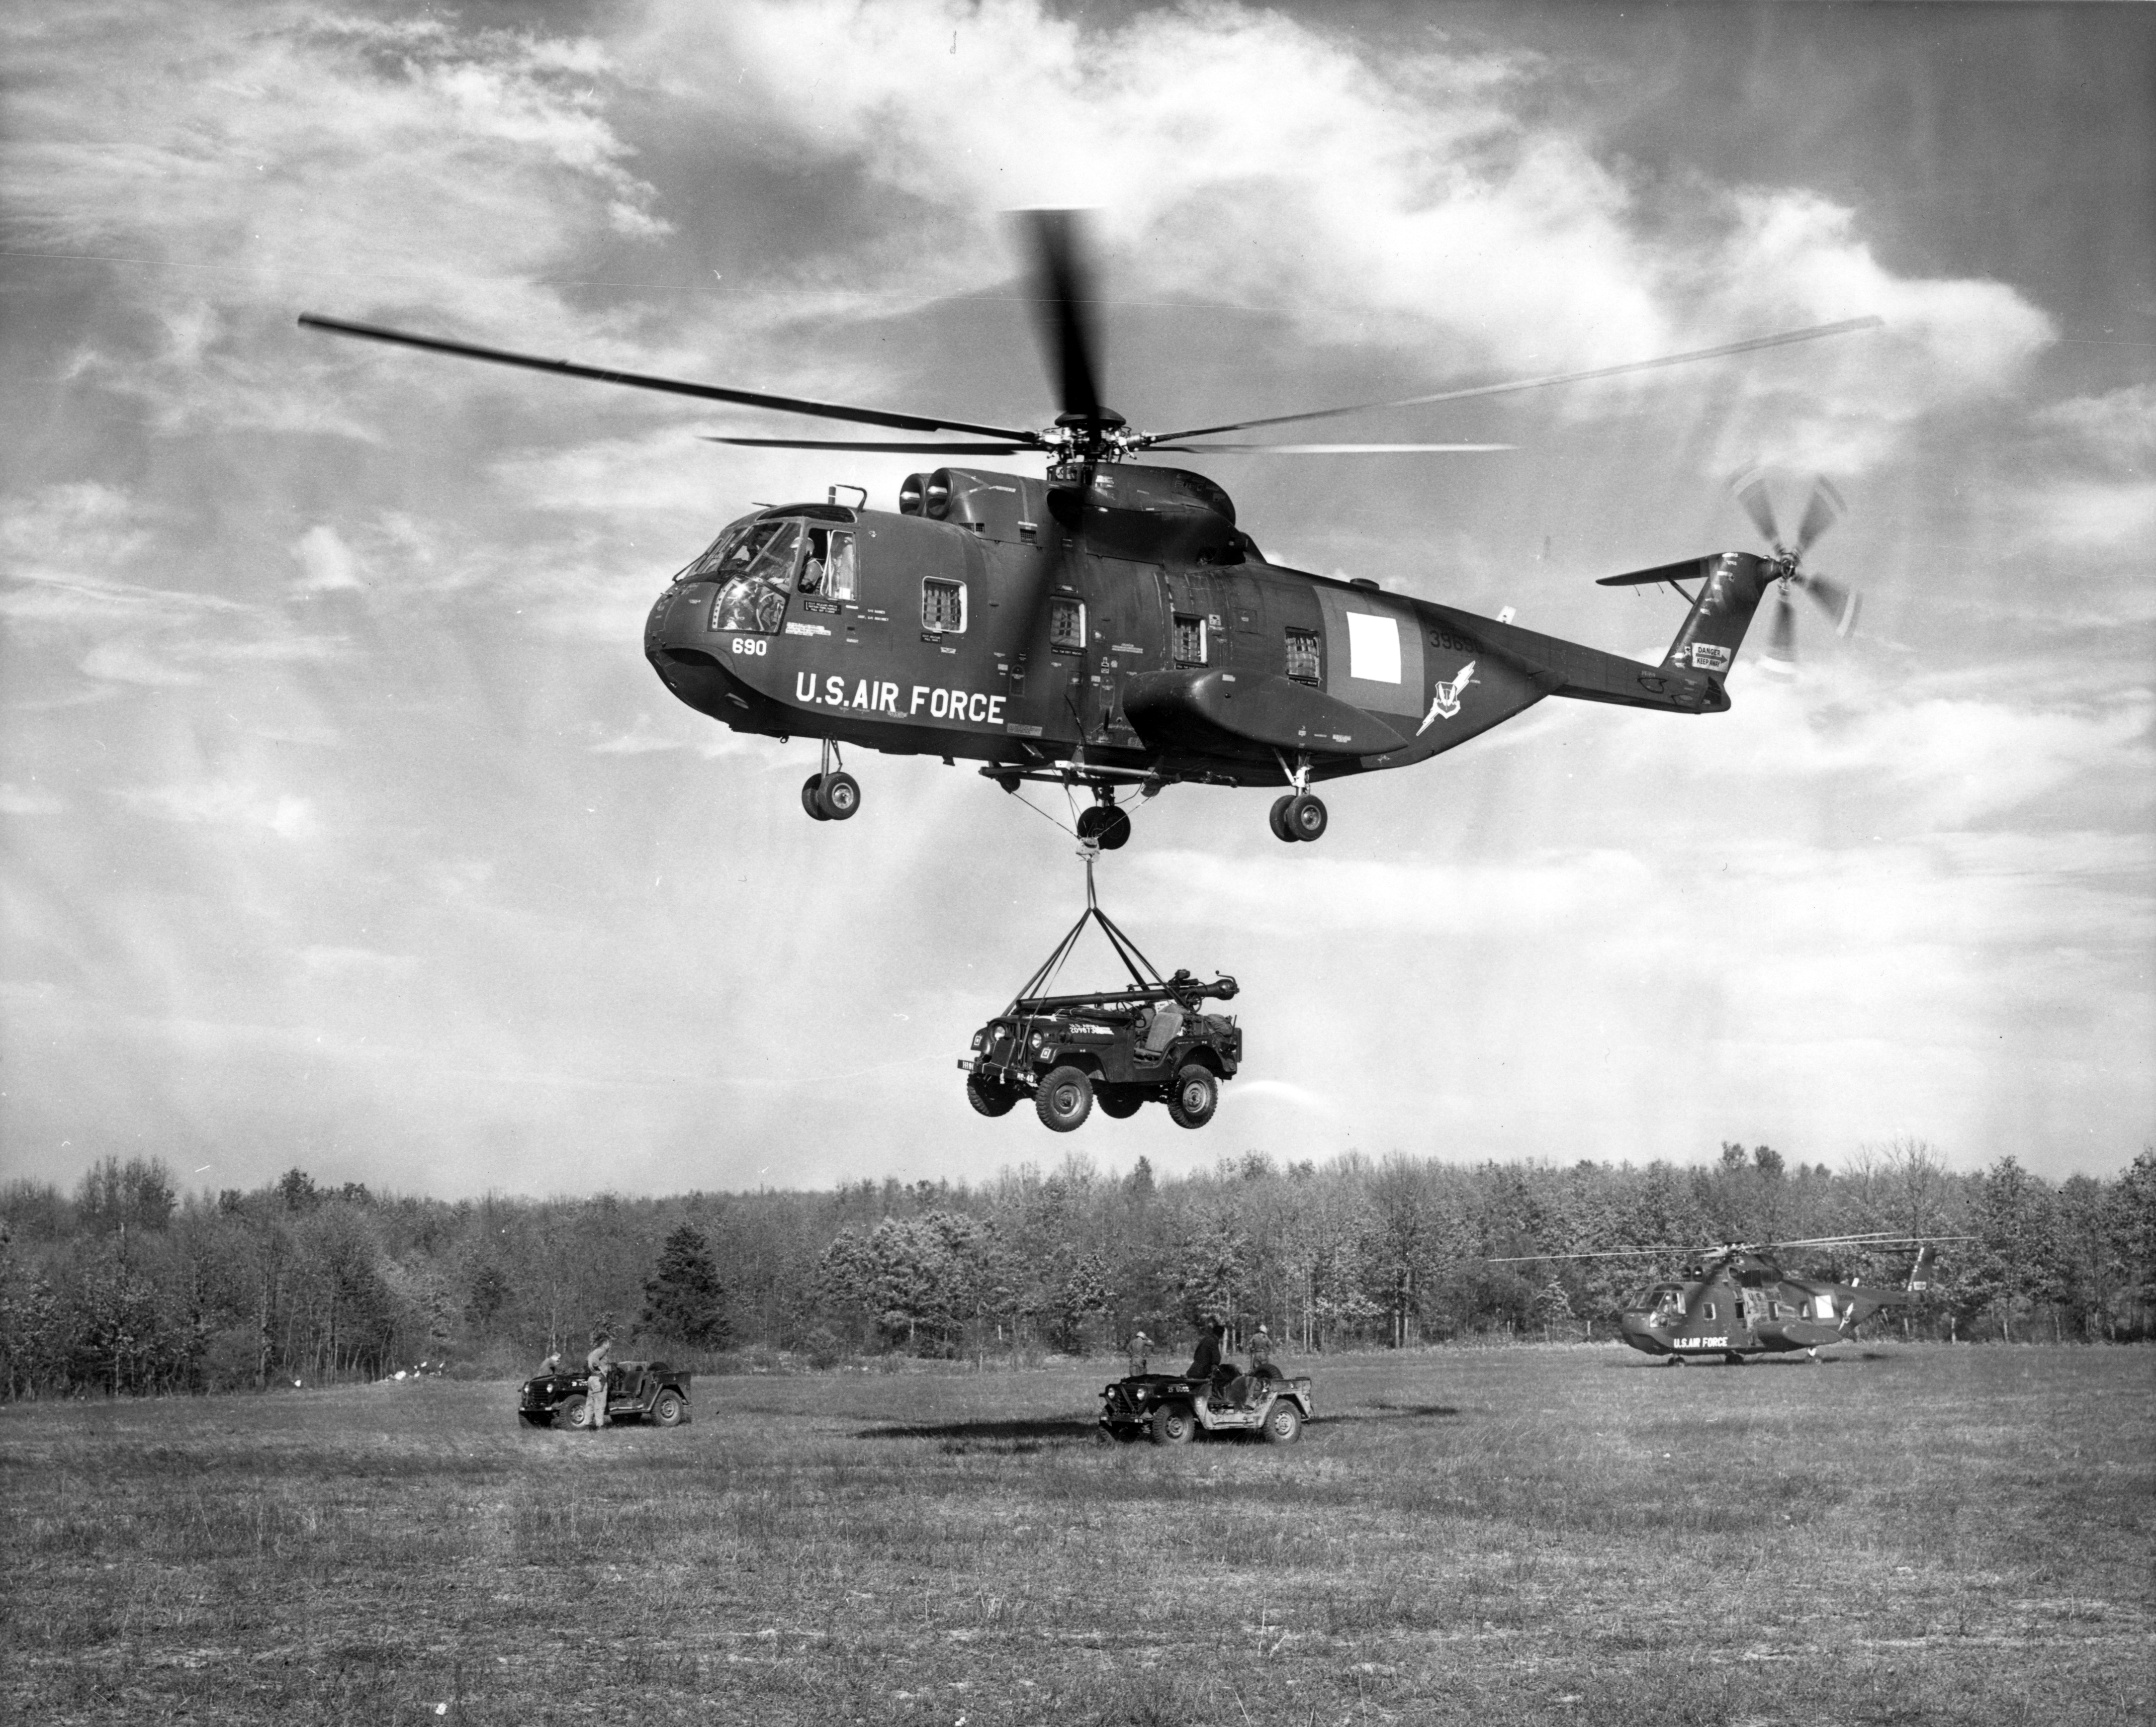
(978, 862)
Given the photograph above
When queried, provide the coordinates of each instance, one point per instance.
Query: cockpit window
(711, 563)
(756, 567)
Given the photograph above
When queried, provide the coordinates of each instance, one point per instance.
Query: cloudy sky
(343, 824)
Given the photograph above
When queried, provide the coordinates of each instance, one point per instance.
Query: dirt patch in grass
(1933, 1535)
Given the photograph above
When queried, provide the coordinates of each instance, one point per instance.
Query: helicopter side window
(1822, 1307)
(943, 606)
(1189, 640)
(758, 568)
(1066, 624)
(1302, 661)
(829, 567)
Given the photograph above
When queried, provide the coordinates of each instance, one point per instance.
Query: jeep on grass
(636, 1391)
(1171, 1410)
(1121, 1048)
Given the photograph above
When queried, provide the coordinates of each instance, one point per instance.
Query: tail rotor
(1837, 601)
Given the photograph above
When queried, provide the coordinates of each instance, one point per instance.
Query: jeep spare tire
(989, 1097)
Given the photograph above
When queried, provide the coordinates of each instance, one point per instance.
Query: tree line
(127, 1286)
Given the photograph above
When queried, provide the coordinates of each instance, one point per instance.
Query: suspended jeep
(1122, 1049)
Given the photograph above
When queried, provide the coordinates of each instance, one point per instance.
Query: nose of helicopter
(1639, 1330)
(683, 651)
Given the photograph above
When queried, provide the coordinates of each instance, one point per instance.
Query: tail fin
(1734, 584)
(1919, 1281)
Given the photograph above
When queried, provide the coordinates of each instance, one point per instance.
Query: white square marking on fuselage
(1373, 648)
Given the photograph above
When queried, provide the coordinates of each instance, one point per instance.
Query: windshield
(756, 567)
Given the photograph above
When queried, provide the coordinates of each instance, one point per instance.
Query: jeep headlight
(1036, 1039)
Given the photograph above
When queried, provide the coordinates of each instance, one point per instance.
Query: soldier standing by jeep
(596, 1364)
(1205, 1358)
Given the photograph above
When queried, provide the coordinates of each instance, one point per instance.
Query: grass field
(1904, 1534)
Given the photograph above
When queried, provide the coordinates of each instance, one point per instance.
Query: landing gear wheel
(840, 795)
(1089, 822)
(1277, 820)
(1305, 817)
(990, 1096)
(1065, 1099)
(1119, 1103)
(1115, 829)
(1196, 1096)
(1173, 1424)
(1674, 1361)
(1283, 1423)
(812, 798)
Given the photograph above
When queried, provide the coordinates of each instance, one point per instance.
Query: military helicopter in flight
(1737, 1300)
(1109, 626)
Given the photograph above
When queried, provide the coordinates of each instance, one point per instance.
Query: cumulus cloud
(1427, 211)
(227, 803)
(642, 739)
(337, 963)
(2117, 427)
(327, 564)
(28, 800)
(276, 154)
(134, 662)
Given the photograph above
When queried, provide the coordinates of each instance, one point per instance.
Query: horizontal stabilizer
(1693, 570)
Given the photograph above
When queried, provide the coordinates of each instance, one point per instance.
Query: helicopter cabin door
(1124, 633)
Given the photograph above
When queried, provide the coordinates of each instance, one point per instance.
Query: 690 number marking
(750, 645)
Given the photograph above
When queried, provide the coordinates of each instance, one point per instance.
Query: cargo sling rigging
(1029, 1000)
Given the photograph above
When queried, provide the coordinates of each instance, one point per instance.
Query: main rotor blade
(1750, 345)
(860, 444)
(1821, 512)
(1751, 494)
(1063, 293)
(1330, 449)
(671, 386)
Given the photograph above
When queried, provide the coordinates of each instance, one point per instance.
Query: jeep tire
(1283, 1422)
(1065, 1099)
(1174, 1424)
(1119, 1103)
(1196, 1096)
(667, 1409)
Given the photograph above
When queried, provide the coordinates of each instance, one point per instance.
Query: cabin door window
(828, 569)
